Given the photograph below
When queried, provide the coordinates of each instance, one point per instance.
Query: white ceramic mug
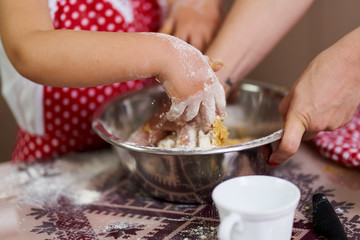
(256, 208)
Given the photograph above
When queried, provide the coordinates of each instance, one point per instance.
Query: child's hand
(194, 21)
(192, 85)
(158, 126)
(198, 96)
(154, 129)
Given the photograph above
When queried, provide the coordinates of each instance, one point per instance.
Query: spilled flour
(75, 180)
(204, 232)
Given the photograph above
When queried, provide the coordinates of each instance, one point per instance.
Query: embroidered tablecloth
(89, 196)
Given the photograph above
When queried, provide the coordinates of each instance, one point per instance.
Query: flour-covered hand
(192, 85)
(154, 129)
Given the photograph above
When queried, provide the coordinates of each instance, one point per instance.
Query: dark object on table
(325, 219)
(189, 176)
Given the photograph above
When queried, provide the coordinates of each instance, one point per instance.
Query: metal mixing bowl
(189, 176)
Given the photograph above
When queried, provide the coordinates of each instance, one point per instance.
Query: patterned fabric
(90, 196)
(110, 15)
(343, 144)
(67, 111)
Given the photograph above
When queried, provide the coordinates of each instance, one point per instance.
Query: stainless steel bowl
(189, 176)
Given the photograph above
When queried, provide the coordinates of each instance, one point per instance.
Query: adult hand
(194, 21)
(325, 97)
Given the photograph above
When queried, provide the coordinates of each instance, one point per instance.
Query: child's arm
(194, 21)
(69, 58)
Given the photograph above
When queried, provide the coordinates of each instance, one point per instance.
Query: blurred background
(325, 23)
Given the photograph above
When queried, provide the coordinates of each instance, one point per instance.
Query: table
(88, 196)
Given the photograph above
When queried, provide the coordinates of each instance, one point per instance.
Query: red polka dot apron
(68, 111)
(343, 144)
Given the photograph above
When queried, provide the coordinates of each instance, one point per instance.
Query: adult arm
(326, 94)
(251, 29)
(324, 97)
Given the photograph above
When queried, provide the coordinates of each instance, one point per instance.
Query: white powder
(339, 210)
(205, 140)
(191, 138)
(200, 232)
(119, 226)
(74, 178)
(168, 142)
(84, 196)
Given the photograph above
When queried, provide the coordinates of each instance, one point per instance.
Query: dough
(195, 138)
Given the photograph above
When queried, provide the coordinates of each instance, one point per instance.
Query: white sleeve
(25, 98)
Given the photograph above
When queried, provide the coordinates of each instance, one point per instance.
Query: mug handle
(228, 224)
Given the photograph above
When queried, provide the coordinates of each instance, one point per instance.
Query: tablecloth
(90, 196)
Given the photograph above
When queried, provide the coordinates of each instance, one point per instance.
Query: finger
(156, 135)
(215, 64)
(182, 33)
(290, 142)
(168, 26)
(208, 114)
(187, 136)
(191, 111)
(197, 41)
(160, 129)
(169, 126)
(176, 110)
(220, 102)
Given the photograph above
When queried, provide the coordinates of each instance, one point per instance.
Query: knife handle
(325, 219)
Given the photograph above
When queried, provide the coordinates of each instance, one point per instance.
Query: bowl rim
(100, 130)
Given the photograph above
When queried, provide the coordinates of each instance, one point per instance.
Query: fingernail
(219, 62)
(273, 164)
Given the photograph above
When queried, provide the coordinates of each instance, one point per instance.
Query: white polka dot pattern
(343, 144)
(102, 16)
(68, 111)
(68, 126)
